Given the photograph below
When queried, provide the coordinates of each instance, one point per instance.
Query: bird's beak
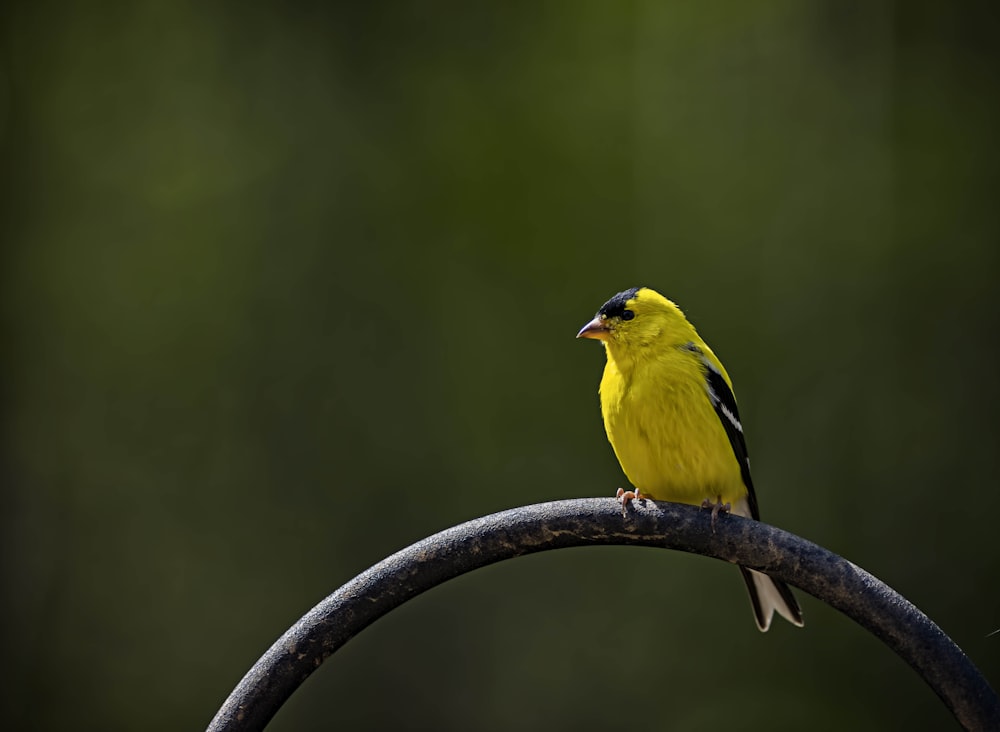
(596, 328)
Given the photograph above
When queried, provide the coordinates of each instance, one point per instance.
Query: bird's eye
(627, 315)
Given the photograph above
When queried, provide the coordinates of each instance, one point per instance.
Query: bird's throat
(620, 358)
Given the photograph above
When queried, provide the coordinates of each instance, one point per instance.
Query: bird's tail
(768, 595)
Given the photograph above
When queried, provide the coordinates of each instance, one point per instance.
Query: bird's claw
(626, 497)
(717, 507)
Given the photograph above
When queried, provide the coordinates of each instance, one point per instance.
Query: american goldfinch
(671, 418)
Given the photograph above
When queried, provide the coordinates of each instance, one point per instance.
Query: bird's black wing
(724, 404)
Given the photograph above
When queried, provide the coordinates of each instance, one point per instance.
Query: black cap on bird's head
(599, 327)
(615, 307)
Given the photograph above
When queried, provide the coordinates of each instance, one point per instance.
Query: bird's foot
(626, 497)
(717, 507)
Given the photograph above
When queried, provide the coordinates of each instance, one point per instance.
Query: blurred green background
(289, 286)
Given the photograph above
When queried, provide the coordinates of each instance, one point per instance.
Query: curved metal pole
(598, 521)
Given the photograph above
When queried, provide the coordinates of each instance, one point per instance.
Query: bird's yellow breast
(665, 431)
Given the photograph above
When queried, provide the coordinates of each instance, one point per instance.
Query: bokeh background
(289, 286)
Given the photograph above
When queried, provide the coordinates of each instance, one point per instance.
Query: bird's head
(638, 318)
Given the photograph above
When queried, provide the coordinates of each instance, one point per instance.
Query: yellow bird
(671, 417)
